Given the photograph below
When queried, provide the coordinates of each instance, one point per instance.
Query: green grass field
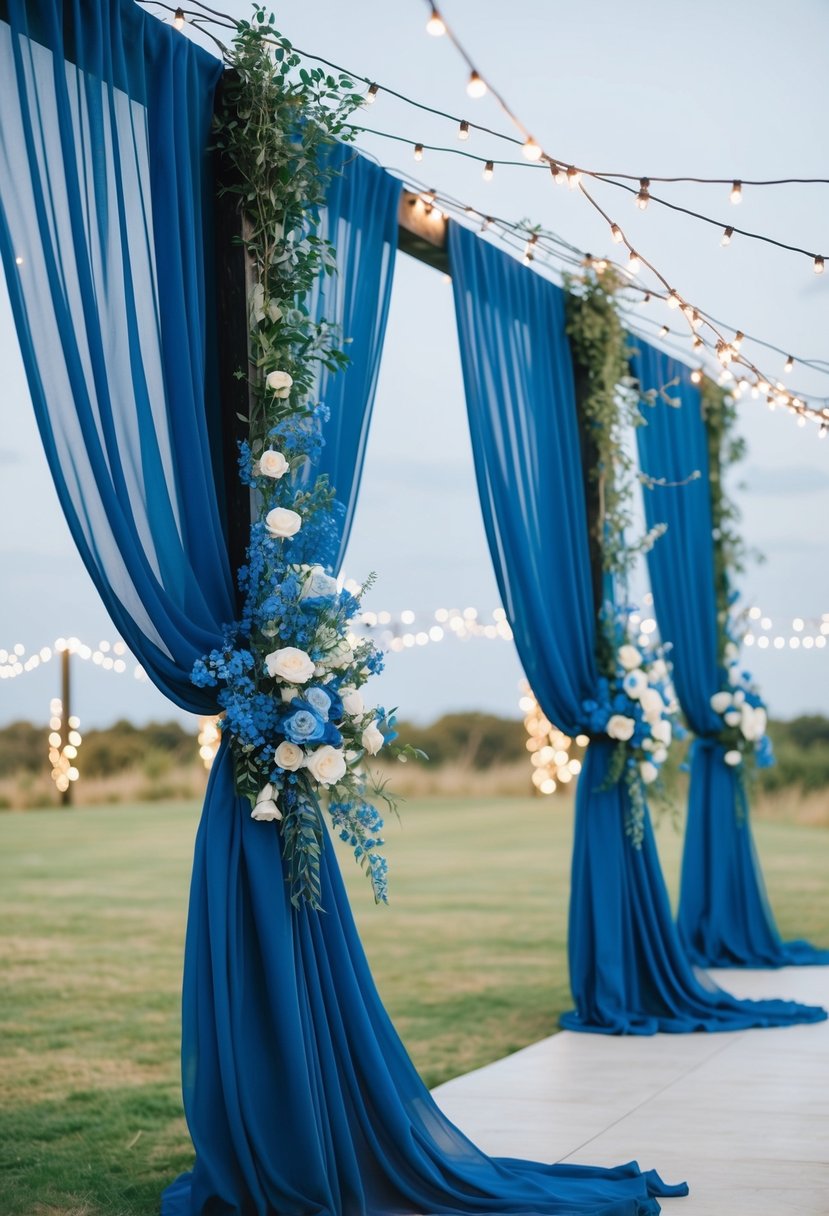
(470, 958)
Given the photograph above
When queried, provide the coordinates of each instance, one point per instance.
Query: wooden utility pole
(66, 714)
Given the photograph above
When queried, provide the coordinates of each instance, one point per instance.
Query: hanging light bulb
(616, 233)
(646, 299)
(531, 149)
(489, 169)
(179, 19)
(528, 256)
(696, 375)
(463, 129)
(697, 342)
(573, 177)
(736, 192)
(643, 197)
(789, 364)
(634, 262)
(725, 239)
(673, 299)
(435, 25)
(486, 223)
(476, 87)
(557, 172)
(371, 95)
(819, 267)
(418, 151)
(664, 331)
(738, 339)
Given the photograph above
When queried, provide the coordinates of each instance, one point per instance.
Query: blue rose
(303, 724)
(320, 700)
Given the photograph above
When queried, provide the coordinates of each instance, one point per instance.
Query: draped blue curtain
(356, 299)
(628, 971)
(299, 1096)
(724, 915)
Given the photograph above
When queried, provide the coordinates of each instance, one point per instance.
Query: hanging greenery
(291, 671)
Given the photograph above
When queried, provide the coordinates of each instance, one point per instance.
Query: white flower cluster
(743, 714)
(646, 682)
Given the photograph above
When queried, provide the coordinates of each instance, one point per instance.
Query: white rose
(620, 727)
(648, 772)
(752, 723)
(661, 731)
(372, 739)
(281, 522)
(651, 702)
(287, 693)
(289, 756)
(279, 383)
(733, 758)
(273, 464)
(720, 702)
(266, 808)
(734, 675)
(732, 651)
(659, 671)
(319, 585)
(739, 696)
(629, 657)
(326, 764)
(340, 655)
(353, 703)
(660, 755)
(635, 683)
(733, 717)
(290, 664)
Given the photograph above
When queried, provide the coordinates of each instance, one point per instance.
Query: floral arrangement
(290, 671)
(637, 709)
(744, 716)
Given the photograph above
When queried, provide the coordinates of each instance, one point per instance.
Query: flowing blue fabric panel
(628, 972)
(360, 220)
(105, 115)
(298, 1093)
(724, 915)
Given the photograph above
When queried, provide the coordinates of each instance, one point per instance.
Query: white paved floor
(743, 1117)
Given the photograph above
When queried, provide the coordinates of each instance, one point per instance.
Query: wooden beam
(422, 231)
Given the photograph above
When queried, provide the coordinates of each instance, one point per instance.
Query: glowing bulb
(789, 364)
(673, 299)
(573, 177)
(463, 129)
(697, 342)
(531, 149)
(819, 264)
(18, 261)
(418, 152)
(616, 233)
(696, 375)
(489, 169)
(371, 95)
(634, 263)
(476, 87)
(643, 197)
(434, 25)
(725, 239)
(178, 19)
(664, 331)
(738, 339)
(736, 192)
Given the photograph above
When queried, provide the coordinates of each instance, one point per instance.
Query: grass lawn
(470, 959)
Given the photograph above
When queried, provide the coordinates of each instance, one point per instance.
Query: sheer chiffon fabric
(724, 918)
(628, 972)
(299, 1096)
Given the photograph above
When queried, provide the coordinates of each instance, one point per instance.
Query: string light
(819, 267)
(697, 375)
(418, 151)
(643, 197)
(488, 171)
(210, 736)
(573, 178)
(476, 87)
(371, 95)
(558, 175)
(179, 19)
(725, 239)
(435, 25)
(548, 746)
(634, 262)
(531, 150)
(664, 331)
(463, 129)
(673, 299)
(789, 364)
(616, 233)
(64, 741)
(736, 192)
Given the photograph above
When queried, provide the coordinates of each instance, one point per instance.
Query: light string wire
(726, 351)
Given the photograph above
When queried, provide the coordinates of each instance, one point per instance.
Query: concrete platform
(743, 1117)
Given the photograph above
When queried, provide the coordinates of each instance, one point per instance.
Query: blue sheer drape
(628, 971)
(299, 1095)
(724, 915)
(357, 299)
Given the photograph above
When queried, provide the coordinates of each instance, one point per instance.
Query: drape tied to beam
(725, 919)
(299, 1095)
(628, 971)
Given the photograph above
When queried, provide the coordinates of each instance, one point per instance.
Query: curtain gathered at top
(628, 971)
(298, 1093)
(724, 915)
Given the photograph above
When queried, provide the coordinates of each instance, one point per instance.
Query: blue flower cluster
(360, 825)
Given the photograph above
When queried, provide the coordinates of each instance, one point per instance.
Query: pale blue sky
(708, 89)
